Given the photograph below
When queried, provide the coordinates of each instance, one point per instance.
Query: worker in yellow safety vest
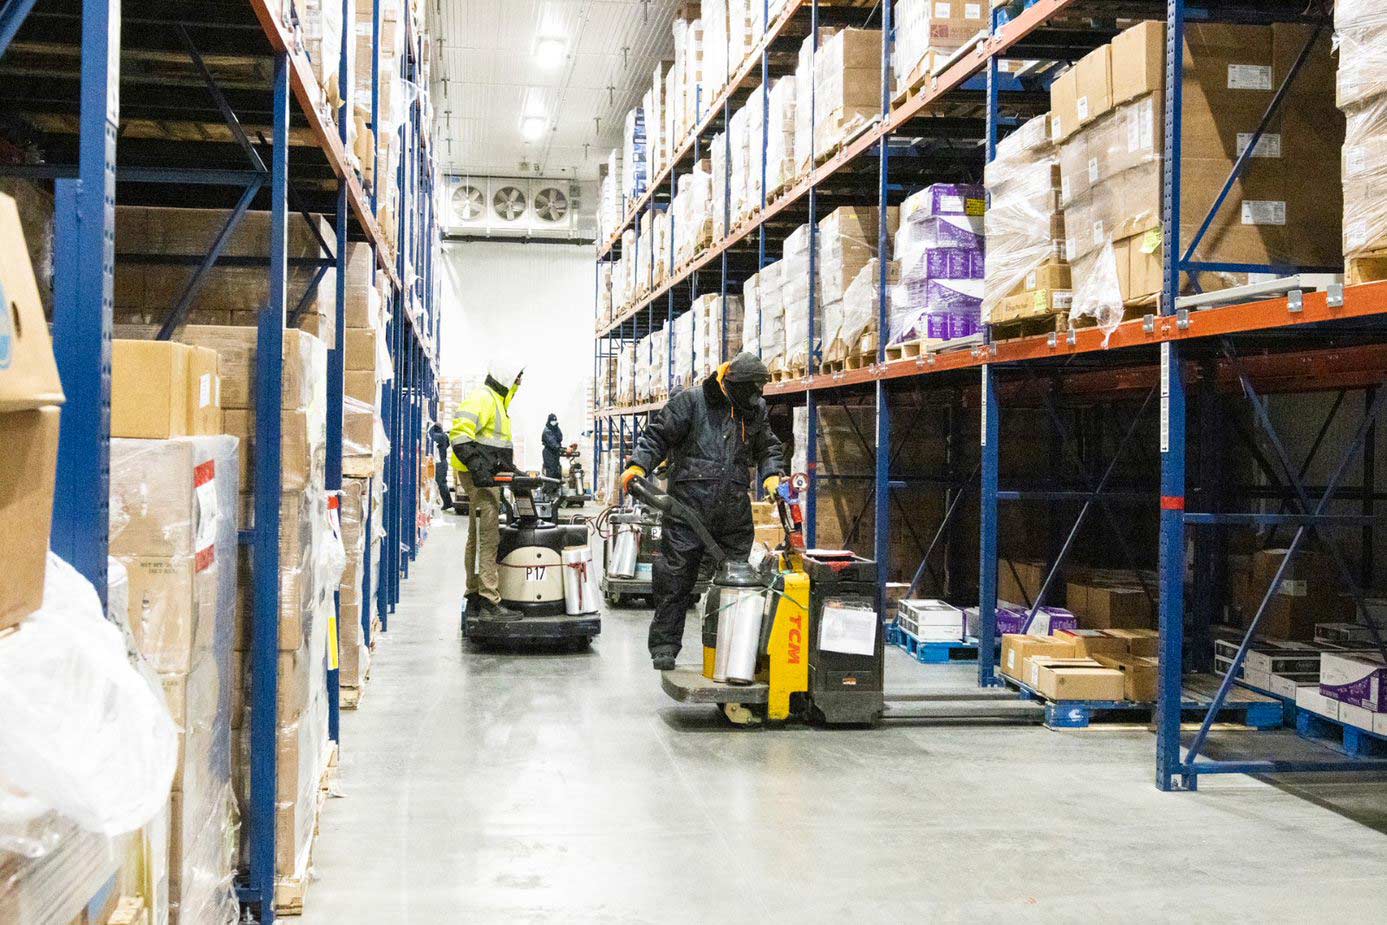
(481, 447)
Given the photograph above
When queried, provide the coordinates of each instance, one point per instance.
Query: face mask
(744, 395)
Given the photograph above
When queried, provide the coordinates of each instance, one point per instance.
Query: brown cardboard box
(1308, 594)
(301, 447)
(362, 386)
(1093, 87)
(1071, 681)
(1138, 61)
(204, 392)
(1064, 111)
(1104, 606)
(1140, 676)
(360, 347)
(1019, 580)
(1092, 643)
(172, 603)
(154, 508)
(28, 459)
(28, 373)
(1017, 649)
(305, 363)
(149, 389)
(1140, 643)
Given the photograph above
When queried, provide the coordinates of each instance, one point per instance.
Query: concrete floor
(481, 788)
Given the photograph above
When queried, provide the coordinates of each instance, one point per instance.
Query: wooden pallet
(1256, 711)
(1031, 326)
(907, 350)
(833, 148)
(1367, 267)
(349, 698)
(789, 373)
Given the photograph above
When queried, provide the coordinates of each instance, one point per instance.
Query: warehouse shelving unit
(1292, 342)
(227, 169)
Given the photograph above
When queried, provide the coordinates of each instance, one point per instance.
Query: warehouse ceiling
(489, 74)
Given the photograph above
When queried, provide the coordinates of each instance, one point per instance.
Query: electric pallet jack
(795, 676)
(530, 556)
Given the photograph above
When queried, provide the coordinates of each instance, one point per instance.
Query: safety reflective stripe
(468, 415)
(487, 441)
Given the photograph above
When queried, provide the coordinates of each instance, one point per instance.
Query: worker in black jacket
(711, 436)
(553, 447)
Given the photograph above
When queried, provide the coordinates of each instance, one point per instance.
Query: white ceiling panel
(487, 73)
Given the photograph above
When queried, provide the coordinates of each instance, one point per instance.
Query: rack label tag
(1165, 397)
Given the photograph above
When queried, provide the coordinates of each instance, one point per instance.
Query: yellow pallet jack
(795, 678)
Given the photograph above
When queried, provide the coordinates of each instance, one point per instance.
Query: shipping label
(1264, 212)
(1249, 77)
(1268, 146)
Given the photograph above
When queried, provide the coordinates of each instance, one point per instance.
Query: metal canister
(625, 551)
(579, 582)
(740, 607)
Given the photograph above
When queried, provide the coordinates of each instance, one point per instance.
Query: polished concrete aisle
(484, 788)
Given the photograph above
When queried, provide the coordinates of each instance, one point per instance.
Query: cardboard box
(302, 447)
(1140, 676)
(1020, 580)
(149, 389)
(1309, 698)
(1355, 679)
(155, 509)
(1138, 61)
(1075, 680)
(305, 364)
(204, 392)
(172, 606)
(1064, 111)
(360, 347)
(1141, 643)
(28, 459)
(363, 386)
(1092, 643)
(28, 372)
(1107, 606)
(1308, 594)
(1093, 87)
(1016, 649)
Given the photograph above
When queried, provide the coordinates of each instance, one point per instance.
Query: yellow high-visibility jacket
(483, 418)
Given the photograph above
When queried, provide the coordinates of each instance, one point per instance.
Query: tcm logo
(795, 639)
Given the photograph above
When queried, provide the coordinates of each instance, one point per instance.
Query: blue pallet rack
(1146, 359)
(85, 194)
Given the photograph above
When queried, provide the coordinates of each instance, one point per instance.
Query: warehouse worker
(711, 437)
(443, 450)
(482, 447)
(553, 447)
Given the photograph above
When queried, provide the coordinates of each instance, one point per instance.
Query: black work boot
(663, 659)
(473, 603)
(492, 611)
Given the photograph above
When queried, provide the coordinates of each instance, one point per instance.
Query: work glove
(632, 472)
(771, 484)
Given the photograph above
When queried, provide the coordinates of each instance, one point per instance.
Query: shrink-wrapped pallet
(939, 249)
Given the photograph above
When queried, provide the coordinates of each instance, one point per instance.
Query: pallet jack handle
(647, 493)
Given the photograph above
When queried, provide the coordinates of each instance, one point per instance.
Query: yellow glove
(771, 484)
(631, 472)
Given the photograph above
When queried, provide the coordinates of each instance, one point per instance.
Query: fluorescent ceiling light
(533, 127)
(550, 52)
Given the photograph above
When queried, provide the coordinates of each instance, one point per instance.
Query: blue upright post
(990, 424)
(1172, 529)
(811, 436)
(990, 440)
(726, 223)
(85, 261)
(269, 385)
(883, 395)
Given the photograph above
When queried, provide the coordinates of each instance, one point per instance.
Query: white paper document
(849, 630)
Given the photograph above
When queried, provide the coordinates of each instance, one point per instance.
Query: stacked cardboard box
(940, 249)
(604, 294)
(751, 314)
(693, 213)
(717, 336)
(30, 396)
(851, 324)
(1027, 274)
(928, 31)
(847, 242)
(770, 293)
(1352, 689)
(635, 161)
(174, 530)
(161, 389)
(1107, 117)
(356, 587)
(147, 288)
(1084, 665)
(1361, 33)
(611, 206)
(794, 287)
(847, 88)
(782, 165)
(713, 73)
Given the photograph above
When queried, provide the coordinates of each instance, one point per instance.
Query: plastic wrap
(683, 346)
(751, 315)
(940, 252)
(772, 339)
(82, 733)
(1361, 34)
(781, 165)
(321, 24)
(929, 29)
(634, 162)
(849, 321)
(718, 177)
(847, 242)
(847, 75)
(1025, 223)
(713, 75)
(693, 213)
(1365, 173)
(694, 100)
(794, 289)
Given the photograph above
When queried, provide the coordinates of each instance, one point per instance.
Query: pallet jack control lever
(647, 493)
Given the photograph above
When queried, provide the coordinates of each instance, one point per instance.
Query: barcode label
(1264, 212)
(1249, 77)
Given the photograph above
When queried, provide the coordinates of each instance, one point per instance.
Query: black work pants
(440, 477)
(726, 512)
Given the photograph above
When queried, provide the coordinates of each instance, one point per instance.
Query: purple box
(952, 199)
(1355, 678)
(945, 263)
(946, 231)
(1012, 618)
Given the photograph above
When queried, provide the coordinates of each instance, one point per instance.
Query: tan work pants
(483, 537)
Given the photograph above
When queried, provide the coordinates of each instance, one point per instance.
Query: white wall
(535, 303)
